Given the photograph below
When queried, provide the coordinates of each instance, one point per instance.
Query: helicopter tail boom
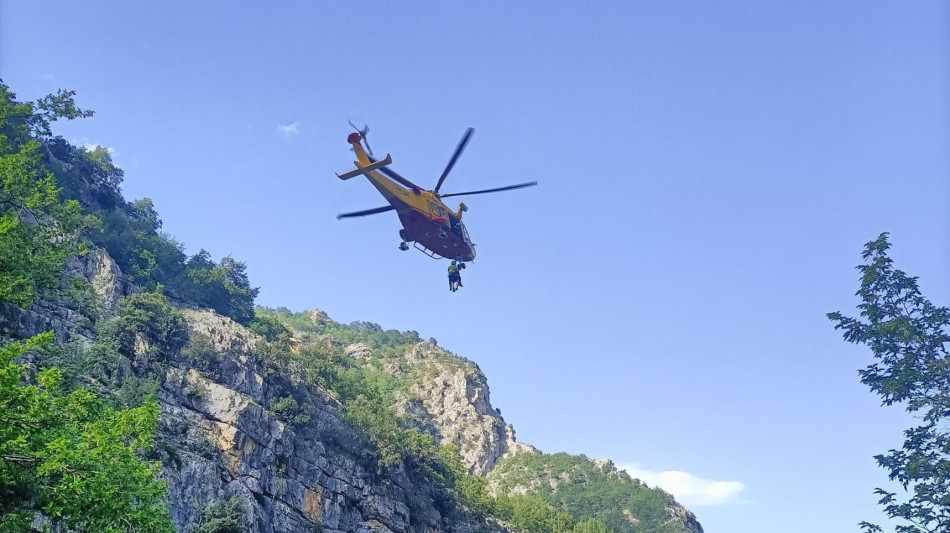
(362, 170)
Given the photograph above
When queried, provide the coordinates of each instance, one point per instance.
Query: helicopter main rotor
(455, 157)
(448, 168)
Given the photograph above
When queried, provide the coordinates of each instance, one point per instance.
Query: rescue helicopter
(427, 222)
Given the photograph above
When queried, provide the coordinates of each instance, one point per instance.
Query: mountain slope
(592, 489)
(448, 396)
(220, 435)
(271, 420)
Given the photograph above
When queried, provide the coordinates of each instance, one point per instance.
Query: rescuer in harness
(455, 277)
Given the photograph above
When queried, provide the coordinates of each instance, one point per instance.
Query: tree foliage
(38, 231)
(73, 458)
(588, 490)
(908, 338)
(42, 230)
(148, 317)
(22, 121)
(223, 287)
(223, 516)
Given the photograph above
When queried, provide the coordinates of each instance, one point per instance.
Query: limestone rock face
(290, 476)
(453, 400)
(686, 517)
(21, 323)
(67, 318)
(107, 280)
(217, 438)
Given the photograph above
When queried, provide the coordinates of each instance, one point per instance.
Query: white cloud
(48, 77)
(288, 129)
(83, 142)
(688, 489)
(90, 147)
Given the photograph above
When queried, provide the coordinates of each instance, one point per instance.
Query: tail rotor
(362, 133)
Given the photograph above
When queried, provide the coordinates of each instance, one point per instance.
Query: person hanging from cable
(455, 277)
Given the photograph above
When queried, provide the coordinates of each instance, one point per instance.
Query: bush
(267, 326)
(150, 316)
(223, 516)
(287, 409)
(64, 450)
(201, 354)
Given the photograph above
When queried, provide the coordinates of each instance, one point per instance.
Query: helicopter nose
(353, 138)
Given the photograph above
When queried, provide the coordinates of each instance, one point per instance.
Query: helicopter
(428, 223)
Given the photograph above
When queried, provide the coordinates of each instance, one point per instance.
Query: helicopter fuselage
(425, 218)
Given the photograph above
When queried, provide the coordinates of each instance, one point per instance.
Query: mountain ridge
(222, 434)
(265, 420)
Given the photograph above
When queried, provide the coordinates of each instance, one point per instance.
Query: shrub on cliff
(71, 457)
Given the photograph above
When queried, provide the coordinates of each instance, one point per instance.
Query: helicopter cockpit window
(438, 210)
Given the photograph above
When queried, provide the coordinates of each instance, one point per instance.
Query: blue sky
(708, 177)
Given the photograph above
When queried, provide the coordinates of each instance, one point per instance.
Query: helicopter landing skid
(427, 251)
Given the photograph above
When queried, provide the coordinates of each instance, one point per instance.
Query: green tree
(223, 516)
(908, 339)
(71, 457)
(149, 317)
(267, 326)
(133, 239)
(20, 122)
(37, 230)
(223, 287)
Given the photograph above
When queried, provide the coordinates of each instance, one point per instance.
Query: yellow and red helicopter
(432, 227)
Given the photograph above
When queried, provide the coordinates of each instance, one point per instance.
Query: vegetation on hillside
(366, 394)
(388, 367)
(79, 418)
(908, 338)
(595, 499)
(62, 447)
(62, 450)
(587, 490)
(38, 230)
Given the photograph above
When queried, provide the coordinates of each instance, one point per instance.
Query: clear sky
(709, 173)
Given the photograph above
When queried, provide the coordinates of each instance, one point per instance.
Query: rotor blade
(362, 133)
(455, 157)
(365, 212)
(396, 177)
(497, 189)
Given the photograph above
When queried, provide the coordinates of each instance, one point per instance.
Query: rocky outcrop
(16, 323)
(680, 514)
(290, 476)
(70, 318)
(107, 280)
(449, 397)
(217, 438)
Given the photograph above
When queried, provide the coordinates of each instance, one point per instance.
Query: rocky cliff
(449, 397)
(292, 477)
(218, 438)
